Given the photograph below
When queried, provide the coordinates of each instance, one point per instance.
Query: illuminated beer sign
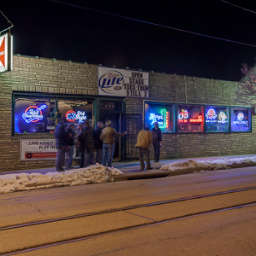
(72, 116)
(183, 116)
(163, 119)
(33, 114)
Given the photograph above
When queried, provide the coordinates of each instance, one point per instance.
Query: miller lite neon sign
(5, 53)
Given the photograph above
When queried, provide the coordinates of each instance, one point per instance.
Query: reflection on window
(216, 119)
(240, 119)
(75, 111)
(34, 115)
(160, 113)
(190, 118)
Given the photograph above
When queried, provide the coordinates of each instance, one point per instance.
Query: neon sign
(222, 117)
(183, 116)
(163, 119)
(211, 116)
(72, 116)
(167, 120)
(199, 119)
(240, 118)
(33, 114)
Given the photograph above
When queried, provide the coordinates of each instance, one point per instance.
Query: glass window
(160, 113)
(190, 118)
(76, 111)
(240, 119)
(34, 115)
(216, 119)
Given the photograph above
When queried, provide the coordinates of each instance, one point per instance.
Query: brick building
(64, 86)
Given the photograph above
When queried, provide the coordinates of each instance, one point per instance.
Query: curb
(159, 174)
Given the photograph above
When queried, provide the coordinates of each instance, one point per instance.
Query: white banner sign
(123, 83)
(38, 149)
(5, 53)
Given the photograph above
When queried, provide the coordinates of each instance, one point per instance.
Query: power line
(8, 21)
(155, 24)
(238, 6)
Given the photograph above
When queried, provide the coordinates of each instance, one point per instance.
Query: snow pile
(218, 164)
(23, 181)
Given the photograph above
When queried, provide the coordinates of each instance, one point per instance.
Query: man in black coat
(70, 145)
(157, 140)
(81, 138)
(61, 143)
(98, 142)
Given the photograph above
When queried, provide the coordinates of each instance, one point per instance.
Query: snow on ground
(217, 164)
(24, 181)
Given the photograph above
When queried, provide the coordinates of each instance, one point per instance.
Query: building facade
(38, 91)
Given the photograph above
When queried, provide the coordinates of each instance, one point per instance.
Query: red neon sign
(167, 119)
(199, 119)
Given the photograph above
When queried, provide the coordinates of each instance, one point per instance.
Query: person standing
(108, 135)
(89, 145)
(144, 140)
(61, 143)
(70, 146)
(98, 142)
(157, 141)
(81, 139)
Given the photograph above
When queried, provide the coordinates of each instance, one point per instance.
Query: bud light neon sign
(111, 81)
(33, 114)
(72, 116)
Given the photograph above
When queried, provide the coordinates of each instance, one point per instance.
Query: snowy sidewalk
(47, 178)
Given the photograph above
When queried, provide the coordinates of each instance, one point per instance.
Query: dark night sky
(48, 29)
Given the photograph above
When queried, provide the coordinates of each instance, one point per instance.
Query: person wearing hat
(81, 139)
(108, 135)
(70, 134)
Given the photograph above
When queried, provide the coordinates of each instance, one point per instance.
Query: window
(190, 118)
(160, 113)
(36, 115)
(240, 119)
(76, 111)
(216, 119)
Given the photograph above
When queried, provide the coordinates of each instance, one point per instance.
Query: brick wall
(53, 76)
(183, 89)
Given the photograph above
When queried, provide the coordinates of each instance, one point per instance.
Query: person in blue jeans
(108, 136)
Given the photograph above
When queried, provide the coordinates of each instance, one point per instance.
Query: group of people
(88, 140)
(144, 140)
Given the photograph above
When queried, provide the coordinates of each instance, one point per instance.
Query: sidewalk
(132, 171)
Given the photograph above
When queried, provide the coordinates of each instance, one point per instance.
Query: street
(206, 213)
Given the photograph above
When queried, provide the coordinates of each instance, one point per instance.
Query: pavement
(131, 169)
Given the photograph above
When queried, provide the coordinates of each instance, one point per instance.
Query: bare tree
(247, 85)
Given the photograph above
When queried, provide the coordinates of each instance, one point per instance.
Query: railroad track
(23, 228)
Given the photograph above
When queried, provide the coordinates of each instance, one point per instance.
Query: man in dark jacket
(89, 148)
(98, 142)
(70, 146)
(61, 143)
(81, 139)
(157, 140)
